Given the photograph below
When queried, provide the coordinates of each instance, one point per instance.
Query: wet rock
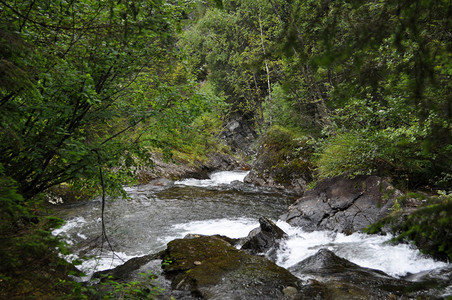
(264, 239)
(225, 272)
(433, 284)
(161, 182)
(343, 204)
(343, 279)
(128, 270)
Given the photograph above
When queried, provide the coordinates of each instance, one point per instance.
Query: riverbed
(154, 215)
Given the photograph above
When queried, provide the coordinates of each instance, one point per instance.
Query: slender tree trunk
(269, 86)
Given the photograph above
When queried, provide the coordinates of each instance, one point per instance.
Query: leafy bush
(347, 153)
(403, 153)
(146, 288)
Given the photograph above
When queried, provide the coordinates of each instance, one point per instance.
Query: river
(154, 215)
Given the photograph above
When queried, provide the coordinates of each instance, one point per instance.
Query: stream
(154, 215)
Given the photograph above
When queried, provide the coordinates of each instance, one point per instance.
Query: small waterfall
(216, 178)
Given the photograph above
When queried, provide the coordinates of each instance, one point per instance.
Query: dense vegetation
(88, 88)
(370, 82)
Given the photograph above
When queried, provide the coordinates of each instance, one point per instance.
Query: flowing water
(155, 215)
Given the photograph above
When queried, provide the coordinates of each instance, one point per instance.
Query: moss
(285, 171)
(284, 156)
(200, 263)
(428, 227)
(214, 254)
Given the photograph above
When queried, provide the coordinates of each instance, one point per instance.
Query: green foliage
(347, 153)
(226, 48)
(291, 111)
(84, 86)
(285, 156)
(430, 228)
(373, 77)
(145, 288)
(29, 263)
(90, 81)
(140, 289)
(401, 152)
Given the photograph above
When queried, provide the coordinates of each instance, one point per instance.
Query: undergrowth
(428, 227)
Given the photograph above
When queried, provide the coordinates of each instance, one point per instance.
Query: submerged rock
(264, 239)
(211, 268)
(343, 204)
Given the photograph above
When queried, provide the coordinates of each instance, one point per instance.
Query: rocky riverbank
(218, 267)
(177, 169)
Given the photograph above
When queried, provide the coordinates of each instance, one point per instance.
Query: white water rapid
(371, 251)
(153, 217)
(217, 178)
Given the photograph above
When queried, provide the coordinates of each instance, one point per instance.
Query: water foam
(217, 178)
(68, 226)
(371, 251)
(233, 228)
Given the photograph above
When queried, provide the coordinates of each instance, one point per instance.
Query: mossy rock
(283, 160)
(429, 227)
(210, 267)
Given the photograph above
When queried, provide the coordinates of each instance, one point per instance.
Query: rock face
(239, 135)
(264, 239)
(343, 279)
(211, 268)
(343, 204)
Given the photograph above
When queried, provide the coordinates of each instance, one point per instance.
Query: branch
(25, 17)
(104, 232)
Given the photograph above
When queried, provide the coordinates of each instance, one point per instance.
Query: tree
(382, 67)
(71, 87)
(228, 47)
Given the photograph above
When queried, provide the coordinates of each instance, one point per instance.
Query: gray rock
(343, 204)
(239, 134)
(264, 239)
(343, 279)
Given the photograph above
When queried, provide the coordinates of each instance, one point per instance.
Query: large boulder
(282, 161)
(209, 267)
(264, 239)
(346, 280)
(343, 204)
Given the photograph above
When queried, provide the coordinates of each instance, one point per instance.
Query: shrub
(347, 153)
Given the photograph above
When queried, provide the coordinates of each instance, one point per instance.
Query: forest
(89, 88)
